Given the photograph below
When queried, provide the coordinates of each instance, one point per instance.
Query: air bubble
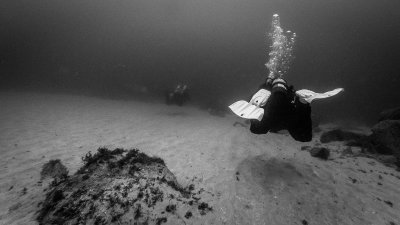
(281, 49)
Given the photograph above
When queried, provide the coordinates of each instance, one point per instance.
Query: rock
(188, 215)
(305, 148)
(356, 150)
(204, 208)
(353, 180)
(320, 152)
(347, 151)
(351, 151)
(390, 114)
(387, 159)
(385, 137)
(54, 169)
(170, 208)
(119, 187)
(340, 135)
(389, 203)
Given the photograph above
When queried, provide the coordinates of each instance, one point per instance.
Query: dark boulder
(320, 152)
(390, 114)
(385, 137)
(340, 135)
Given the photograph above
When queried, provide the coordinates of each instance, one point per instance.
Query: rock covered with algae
(120, 187)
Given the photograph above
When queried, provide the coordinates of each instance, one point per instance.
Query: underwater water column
(280, 50)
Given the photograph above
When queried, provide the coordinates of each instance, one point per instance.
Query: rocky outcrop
(385, 137)
(340, 135)
(390, 114)
(121, 187)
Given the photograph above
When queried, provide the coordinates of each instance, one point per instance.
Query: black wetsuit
(283, 110)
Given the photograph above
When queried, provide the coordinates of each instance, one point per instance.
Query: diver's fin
(247, 110)
(260, 98)
(308, 96)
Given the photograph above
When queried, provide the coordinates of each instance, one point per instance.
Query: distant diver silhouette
(178, 96)
(277, 106)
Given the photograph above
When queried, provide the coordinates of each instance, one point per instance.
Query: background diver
(179, 96)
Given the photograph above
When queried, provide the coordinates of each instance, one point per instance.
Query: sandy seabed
(247, 178)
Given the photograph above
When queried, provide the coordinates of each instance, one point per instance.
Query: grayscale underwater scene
(270, 112)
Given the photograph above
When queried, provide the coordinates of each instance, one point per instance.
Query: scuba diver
(178, 96)
(282, 110)
(277, 106)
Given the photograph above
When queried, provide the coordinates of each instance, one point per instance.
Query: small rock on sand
(320, 152)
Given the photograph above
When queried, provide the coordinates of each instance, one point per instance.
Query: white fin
(260, 98)
(247, 110)
(308, 96)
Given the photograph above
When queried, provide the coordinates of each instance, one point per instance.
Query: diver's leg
(300, 124)
(276, 109)
(258, 127)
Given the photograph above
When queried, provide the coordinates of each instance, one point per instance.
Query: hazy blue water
(218, 47)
